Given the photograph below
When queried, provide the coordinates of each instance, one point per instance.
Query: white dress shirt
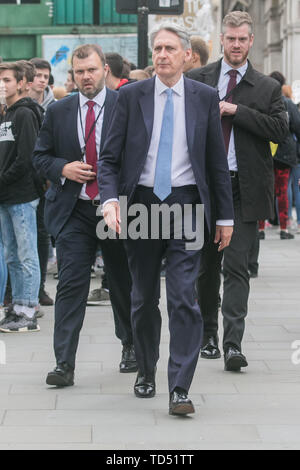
(83, 109)
(181, 171)
(222, 89)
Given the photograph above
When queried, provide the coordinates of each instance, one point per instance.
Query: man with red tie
(252, 114)
(66, 153)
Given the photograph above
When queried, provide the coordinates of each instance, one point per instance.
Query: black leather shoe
(180, 404)
(234, 360)
(44, 298)
(144, 386)
(211, 349)
(253, 274)
(61, 376)
(286, 235)
(128, 362)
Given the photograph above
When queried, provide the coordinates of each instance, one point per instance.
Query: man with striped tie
(252, 114)
(164, 147)
(66, 153)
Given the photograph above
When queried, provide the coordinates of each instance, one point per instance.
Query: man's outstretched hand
(111, 214)
(223, 236)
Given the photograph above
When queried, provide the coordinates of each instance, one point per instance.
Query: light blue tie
(162, 181)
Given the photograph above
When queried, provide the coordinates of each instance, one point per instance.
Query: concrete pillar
(215, 39)
(291, 39)
(256, 10)
(272, 34)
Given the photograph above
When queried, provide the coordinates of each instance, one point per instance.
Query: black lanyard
(91, 129)
(230, 92)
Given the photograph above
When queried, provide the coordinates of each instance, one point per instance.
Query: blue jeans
(294, 189)
(19, 235)
(3, 272)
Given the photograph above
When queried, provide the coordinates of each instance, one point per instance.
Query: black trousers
(76, 247)
(208, 286)
(236, 279)
(43, 242)
(254, 254)
(185, 321)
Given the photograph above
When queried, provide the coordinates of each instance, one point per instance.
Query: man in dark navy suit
(165, 145)
(66, 153)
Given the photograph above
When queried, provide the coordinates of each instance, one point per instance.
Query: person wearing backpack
(293, 189)
(285, 158)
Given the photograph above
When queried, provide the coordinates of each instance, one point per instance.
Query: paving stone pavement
(256, 409)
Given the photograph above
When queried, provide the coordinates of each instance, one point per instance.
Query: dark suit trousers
(185, 321)
(236, 279)
(208, 286)
(76, 247)
(254, 254)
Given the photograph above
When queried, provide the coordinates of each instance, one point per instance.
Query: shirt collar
(99, 99)
(225, 68)
(178, 88)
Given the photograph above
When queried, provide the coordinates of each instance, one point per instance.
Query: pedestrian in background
(3, 278)
(41, 92)
(18, 201)
(293, 189)
(285, 158)
(200, 54)
(40, 89)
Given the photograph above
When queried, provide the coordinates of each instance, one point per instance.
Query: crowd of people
(179, 131)
(40, 87)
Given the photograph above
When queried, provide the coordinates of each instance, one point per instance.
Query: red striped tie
(91, 150)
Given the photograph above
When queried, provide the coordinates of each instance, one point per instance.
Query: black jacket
(18, 133)
(294, 117)
(286, 155)
(57, 145)
(260, 118)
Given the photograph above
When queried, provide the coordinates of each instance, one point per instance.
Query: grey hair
(173, 28)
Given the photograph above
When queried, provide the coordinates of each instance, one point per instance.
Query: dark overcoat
(260, 118)
(57, 145)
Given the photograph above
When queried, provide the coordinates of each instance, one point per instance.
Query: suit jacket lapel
(147, 105)
(70, 124)
(241, 89)
(107, 114)
(190, 113)
(213, 75)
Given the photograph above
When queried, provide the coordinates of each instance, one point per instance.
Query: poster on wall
(57, 49)
(197, 18)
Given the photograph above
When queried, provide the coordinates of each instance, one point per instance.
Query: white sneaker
(99, 264)
(98, 297)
